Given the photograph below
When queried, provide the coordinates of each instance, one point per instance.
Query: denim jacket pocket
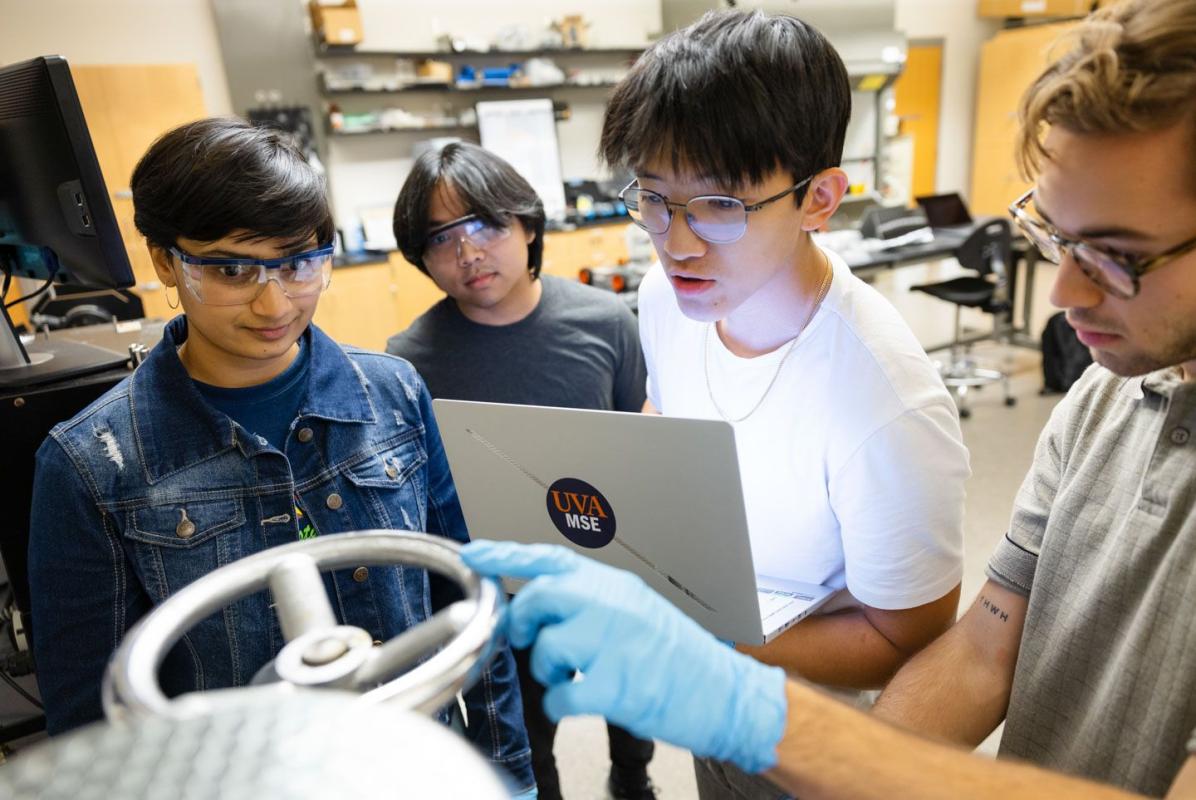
(391, 480)
(390, 467)
(186, 523)
(176, 543)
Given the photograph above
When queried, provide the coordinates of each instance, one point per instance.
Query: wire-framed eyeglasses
(716, 218)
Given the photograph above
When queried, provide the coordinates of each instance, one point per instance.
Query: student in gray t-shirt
(577, 348)
(505, 334)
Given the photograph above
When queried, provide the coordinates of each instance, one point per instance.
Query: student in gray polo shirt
(505, 334)
(1083, 640)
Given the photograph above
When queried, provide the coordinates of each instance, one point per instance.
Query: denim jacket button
(360, 574)
(334, 501)
(186, 528)
(391, 472)
(305, 435)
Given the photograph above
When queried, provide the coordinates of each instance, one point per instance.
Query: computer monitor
(56, 222)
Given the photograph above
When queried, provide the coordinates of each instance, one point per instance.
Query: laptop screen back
(945, 210)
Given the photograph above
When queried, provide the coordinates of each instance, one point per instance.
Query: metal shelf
(412, 129)
(349, 52)
(444, 87)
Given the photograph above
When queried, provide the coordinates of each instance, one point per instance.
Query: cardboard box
(431, 71)
(1035, 8)
(338, 23)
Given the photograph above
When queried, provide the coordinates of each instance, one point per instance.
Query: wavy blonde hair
(1131, 67)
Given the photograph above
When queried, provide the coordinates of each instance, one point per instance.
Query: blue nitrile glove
(645, 666)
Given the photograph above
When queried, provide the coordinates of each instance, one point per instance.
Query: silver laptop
(659, 496)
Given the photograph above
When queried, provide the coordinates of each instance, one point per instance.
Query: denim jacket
(150, 487)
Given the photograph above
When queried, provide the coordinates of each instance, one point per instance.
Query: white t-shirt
(853, 467)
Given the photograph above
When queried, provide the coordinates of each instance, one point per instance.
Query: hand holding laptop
(594, 481)
(644, 665)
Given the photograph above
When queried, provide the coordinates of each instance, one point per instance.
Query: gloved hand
(644, 665)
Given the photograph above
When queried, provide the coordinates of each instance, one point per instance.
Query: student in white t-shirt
(850, 450)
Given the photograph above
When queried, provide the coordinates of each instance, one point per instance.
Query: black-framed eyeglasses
(716, 218)
(1119, 274)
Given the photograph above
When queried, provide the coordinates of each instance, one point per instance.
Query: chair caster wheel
(1011, 401)
(964, 413)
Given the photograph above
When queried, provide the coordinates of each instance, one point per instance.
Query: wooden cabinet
(415, 292)
(567, 252)
(1009, 63)
(359, 306)
(1036, 8)
(916, 96)
(127, 107)
(365, 305)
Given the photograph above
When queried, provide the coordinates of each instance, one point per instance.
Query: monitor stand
(48, 360)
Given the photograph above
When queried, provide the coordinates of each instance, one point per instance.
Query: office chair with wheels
(988, 251)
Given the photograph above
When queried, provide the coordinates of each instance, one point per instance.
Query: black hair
(207, 179)
(487, 186)
(732, 98)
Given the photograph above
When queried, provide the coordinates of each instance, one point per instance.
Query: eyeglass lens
(713, 218)
(1099, 267)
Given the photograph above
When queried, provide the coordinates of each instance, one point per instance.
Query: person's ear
(163, 264)
(823, 195)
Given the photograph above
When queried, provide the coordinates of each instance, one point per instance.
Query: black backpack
(1064, 357)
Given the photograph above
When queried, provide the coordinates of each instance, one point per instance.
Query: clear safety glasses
(238, 281)
(442, 246)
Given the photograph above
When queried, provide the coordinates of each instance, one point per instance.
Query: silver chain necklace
(822, 290)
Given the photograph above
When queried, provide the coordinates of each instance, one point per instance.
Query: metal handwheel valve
(332, 716)
(456, 642)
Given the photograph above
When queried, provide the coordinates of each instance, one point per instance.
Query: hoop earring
(166, 292)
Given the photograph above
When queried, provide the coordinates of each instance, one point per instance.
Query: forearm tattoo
(994, 609)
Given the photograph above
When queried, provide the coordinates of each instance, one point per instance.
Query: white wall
(118, 32)
(962, 32)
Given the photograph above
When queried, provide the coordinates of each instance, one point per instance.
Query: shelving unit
(445, 87)
(409, 129)
(343, 90)
(346, 52)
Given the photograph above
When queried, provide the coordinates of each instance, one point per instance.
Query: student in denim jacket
(245, 428)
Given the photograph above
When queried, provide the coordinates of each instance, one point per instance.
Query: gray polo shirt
(1103, 542)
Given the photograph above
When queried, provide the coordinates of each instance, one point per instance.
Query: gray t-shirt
(579, 348)
(1103, 542)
